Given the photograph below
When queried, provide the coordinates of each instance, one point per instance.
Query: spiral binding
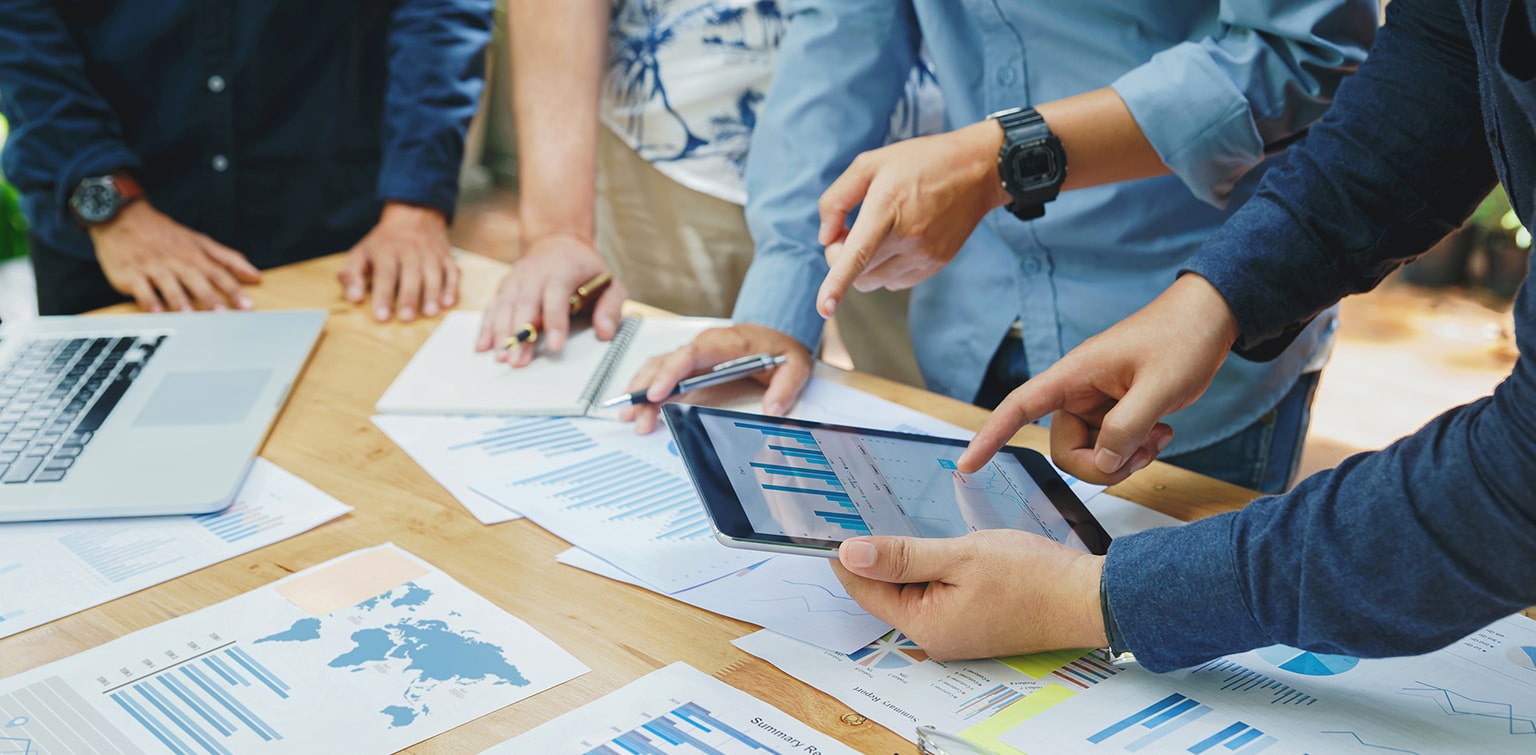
(620, 344)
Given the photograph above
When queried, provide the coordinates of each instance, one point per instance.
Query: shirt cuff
(779, 292)
(1177, 595)
(1196, 119)
(420, 180)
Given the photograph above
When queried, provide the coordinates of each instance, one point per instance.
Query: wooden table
(622, 632)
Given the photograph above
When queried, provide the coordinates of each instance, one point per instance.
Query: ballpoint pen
(720, 373)
(579, 300)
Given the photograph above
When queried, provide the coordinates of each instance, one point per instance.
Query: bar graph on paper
(689, 728)
(550, 436)
(802, 471)
(638, 512)
(200, 698)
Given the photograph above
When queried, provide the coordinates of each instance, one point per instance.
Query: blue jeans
(1263, 456)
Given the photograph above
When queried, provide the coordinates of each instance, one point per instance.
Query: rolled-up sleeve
(436, 71)
(830, 101)
(1213, 108)
(62, 129)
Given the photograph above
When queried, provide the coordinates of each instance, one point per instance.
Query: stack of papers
(53, 569)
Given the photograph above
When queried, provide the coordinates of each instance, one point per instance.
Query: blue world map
(436, 653)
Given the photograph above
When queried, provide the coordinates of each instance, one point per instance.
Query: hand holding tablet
(795, 486)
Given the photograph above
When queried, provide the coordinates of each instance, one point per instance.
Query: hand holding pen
(659, 377)
(724, 372)
(535, 300)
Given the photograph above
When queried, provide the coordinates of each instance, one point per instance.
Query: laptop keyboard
(54, 396)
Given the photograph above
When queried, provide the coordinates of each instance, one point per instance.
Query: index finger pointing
(856, 253)
(1036, 398)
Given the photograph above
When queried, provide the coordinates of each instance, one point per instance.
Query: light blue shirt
(1214, 86)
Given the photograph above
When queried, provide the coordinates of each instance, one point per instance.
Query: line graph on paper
(1451, 703)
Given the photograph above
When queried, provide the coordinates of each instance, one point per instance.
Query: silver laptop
(141, 414)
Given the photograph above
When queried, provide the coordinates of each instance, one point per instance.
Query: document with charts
(52, 569)
(447, 376)
(373, 651)
(676, 709)
(1478, 695)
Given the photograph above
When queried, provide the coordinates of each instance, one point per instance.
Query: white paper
(1479, 695)
(677, 709)
(1120, 517)
(796, 596)
(447, 375)
(264, 672)
(53, 569)
(895, 684)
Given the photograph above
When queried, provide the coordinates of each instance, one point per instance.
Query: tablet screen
(828, 483)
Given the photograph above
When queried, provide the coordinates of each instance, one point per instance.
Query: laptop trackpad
(203, 397)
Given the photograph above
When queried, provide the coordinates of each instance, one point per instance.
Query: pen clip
(763, 357)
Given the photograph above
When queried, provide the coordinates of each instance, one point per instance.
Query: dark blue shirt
(1407, 549)
(278, 127)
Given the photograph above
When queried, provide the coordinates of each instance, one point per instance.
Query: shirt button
(1032, 266)
(220, 163)
(1005, 75)
(215, 84)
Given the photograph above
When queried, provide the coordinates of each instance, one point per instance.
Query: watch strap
(1025, 126)
(128, 188)
(1119, 655)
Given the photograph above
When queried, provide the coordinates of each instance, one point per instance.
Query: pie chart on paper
(1307, 664)
(1523, 656)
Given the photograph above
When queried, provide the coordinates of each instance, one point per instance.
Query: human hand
(921, 199)
(660, 374)
(164, 265)
(1109, 394)
(537, 290)
(991, 593)
(410, 262)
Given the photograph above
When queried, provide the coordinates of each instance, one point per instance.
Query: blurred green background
(13, 227)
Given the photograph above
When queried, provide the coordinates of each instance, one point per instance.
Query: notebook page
(447, 376)
(656, 335)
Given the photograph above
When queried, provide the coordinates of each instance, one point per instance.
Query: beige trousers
(687, 252)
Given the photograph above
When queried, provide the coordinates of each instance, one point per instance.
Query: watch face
(95, 202)
(1032, 166)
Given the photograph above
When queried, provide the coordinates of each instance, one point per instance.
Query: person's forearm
(557, 70)
(1102, 141)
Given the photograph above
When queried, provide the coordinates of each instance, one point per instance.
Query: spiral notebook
(447, 376)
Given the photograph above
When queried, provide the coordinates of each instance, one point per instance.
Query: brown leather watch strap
(128, 189)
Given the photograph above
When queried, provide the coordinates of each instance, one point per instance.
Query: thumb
(1128, 427)
(840, 198)
(901, 560)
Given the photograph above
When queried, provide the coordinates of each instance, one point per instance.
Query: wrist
(130, 215)
(565, 240)
(983, 142)
(1207, 305)
(403, 213)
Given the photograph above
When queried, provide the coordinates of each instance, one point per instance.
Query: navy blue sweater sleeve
(62, 130)
(1395, 552)
(436, 70)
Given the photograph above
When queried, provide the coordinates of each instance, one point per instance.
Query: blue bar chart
(817, 482)
(120, 553)
(1236, 677)
(688, 728)
(550, 436)
(198, 705)
(238, 522)
(627, 489)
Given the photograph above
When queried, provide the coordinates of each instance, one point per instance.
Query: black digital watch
(1031, 163)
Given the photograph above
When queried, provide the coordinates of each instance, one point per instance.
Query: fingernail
(448, 301)
(245, 302)
(407, 313)
(858, 554)
(355, 293)
(1107, 460)
(1162, 444)
(775, 408)
(220, 307)
(382, 314)
(429, 309)
(830, 305)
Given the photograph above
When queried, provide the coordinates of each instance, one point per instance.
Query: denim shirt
(1404, 550)
(686, 79)
(1215, 86)
(278, 128)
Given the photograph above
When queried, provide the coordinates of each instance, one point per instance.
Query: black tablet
(795, 486)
